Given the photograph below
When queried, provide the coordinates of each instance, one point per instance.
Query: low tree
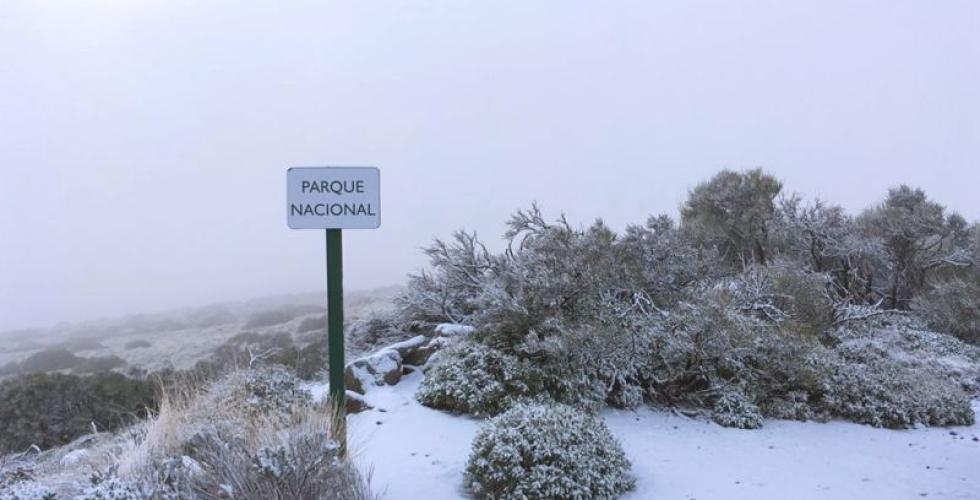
(733, 213)
(918, 239)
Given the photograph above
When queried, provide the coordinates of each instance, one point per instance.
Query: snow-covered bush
(866, 384)
(791, 405)
(662, 261)
(702, 347)
(472, 378)
(252, 434)
(745, 295)
(796, 301)
(446, 293)
(267, 392)
(733, 409)
(113, 488)
(28, 490)
(296, 461)
(547, 451)
(952, 307)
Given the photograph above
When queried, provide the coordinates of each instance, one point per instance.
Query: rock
(387, 365)
(351, 381)
(355, 403)
(380, 368)
(417, 350)
(392, 376)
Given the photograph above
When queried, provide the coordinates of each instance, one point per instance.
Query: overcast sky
(144, 144)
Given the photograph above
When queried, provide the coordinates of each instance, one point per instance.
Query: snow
(452, 329)
(417, 452)
(677, 457)
(318, 391)
(73, 457)
(414, 342)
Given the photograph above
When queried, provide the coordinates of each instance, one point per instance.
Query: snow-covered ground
(416, 452)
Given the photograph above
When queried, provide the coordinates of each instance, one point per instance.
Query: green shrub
(952, 307)
(279, 315)
(313, 323)
(547, 451)
(52, 409)
(50, 360)
(100, 364)
(137, 344)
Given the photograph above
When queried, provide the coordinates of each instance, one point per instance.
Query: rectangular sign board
(333, 197)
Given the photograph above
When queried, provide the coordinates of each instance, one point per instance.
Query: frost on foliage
(27, 490)
(953, 307)
(72, 458)
(867, 381)
(112, 488)
(447, 291)
(547, 451)
(775, 305)
(472, 378)
(286, 458)
(270, 392)
(733, 409)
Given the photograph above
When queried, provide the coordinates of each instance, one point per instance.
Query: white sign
(333, 197)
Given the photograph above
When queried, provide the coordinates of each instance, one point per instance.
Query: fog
(144, 145)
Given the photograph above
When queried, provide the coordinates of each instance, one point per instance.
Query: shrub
(100, 364)
(373, 332)
(472, 378)
(268, 392)
(702, 347)
(300, 461)
(137, 344)
(734, 409)
(252, 435)
(865, 385)
(210, 316)
(76, 344)
(313, 323)
(547, 451)
(311, 360)
(583, 315)
(953, 307)
(50, 360)
(112, 488)
(279, 315)
(796, 301)
(51, 410)
(28, 490)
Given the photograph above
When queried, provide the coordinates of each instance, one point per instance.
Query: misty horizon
(144, 147)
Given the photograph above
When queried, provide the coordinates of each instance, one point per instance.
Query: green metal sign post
(334, 198)
(335, 335)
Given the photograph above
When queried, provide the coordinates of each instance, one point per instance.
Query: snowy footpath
(420, 453)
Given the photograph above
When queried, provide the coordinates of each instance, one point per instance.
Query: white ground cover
(417, 452)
